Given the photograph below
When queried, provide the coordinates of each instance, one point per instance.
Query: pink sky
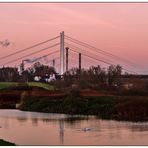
(118, 28)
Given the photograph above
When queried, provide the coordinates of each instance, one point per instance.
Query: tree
(9, 74)
(97, 76)
(114, 75)
(27, 76)
(42, 70)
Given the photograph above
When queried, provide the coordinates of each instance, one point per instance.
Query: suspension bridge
(66, 52)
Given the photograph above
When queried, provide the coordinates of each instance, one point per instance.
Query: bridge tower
(62, 64)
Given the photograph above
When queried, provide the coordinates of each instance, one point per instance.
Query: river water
(31, 128)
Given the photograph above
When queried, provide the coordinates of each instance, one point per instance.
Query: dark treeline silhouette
(97, 78)
(110, 79)
(94, 77)
(11, 74)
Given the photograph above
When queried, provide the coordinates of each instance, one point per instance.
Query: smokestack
(79, 62)
(67, 58)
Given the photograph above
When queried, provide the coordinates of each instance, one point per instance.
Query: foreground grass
(41, 85)
(4, 85)
(8, 84)
(6, 143)
(131, 108)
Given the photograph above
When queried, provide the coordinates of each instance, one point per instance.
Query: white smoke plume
(34, 59)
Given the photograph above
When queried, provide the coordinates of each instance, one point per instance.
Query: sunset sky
(118, 28)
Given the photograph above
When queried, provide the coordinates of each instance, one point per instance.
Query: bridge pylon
(62, 64)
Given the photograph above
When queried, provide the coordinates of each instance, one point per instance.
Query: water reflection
(47, 121)
(61, 126)
(141, 127)
(22, 119)
(59, 129)
(71, 121)
(35, 122)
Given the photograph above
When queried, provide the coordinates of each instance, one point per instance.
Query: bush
(135, 108)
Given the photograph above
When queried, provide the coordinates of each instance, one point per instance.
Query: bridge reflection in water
(61, 131)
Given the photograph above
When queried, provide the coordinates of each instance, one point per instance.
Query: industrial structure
(69, 50)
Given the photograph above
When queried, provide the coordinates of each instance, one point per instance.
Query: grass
(6, 143)
(4, 85)
(42, 85)
(46, 86)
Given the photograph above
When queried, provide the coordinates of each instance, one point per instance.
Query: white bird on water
(86, 129)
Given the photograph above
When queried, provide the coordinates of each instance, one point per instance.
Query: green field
(42, 85)
(46, 86)
(8, 84)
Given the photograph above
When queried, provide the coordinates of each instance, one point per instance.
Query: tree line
(95, 77)
(12, 74)
(111, 78)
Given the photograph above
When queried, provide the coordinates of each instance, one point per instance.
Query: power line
(89, 60)
(99, 50)
(25, 49)
(101, 60)
(73, 46)
(32, 54)
(93, 57)
(51, 60)
(50, 54)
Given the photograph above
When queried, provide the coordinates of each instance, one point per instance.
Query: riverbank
(83, 102)
(11, 96)
(6, 143)
(128, 108)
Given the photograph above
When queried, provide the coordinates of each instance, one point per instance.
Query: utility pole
(67, 58)
(79, 62)
(62, 53)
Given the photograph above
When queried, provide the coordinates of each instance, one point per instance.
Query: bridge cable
(101, 61)
(32, 54)
(73, 46)
(25, 49)
(99, 50)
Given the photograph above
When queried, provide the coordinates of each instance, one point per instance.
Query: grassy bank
(6, 143)
(41, 85)
(131, 108)
(36, 98)
(11, 92)
(5, 85)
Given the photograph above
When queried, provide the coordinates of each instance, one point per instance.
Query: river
(31, 128)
